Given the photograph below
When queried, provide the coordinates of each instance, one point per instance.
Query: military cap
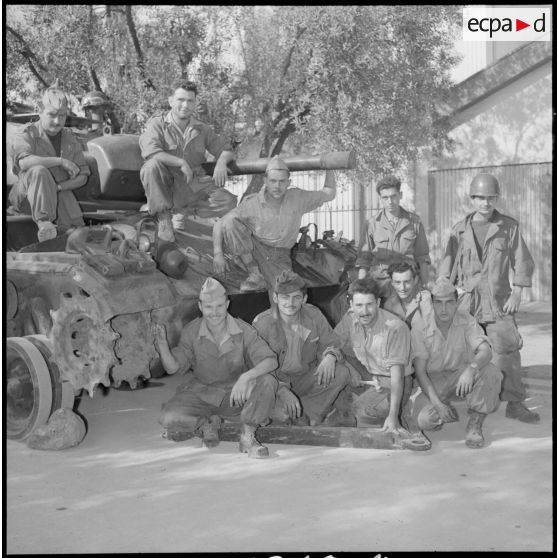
(276, 163)
(212, 289)
(288, 281)
(55, 98)
(442, 288)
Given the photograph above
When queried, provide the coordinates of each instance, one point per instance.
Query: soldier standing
(481, 251)
(393, 235)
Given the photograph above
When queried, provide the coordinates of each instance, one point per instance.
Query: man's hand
(465, 382)
(392, 425)
(220, 173)
(290, 402)
(70, 167)
(512, 304)
(241, 390)
(159, 332)
(186, 170)
(445, 412)
(219, 264)
(326, 370)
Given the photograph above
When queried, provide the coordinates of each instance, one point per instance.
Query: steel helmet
(484, 184)
(94, 99)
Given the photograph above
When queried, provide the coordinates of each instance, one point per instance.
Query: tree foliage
(289, 78)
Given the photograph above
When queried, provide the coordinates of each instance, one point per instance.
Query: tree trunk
(135, 41)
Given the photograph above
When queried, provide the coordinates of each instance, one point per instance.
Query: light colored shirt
(278, 228)
(406, 242)
(221, 365)
(33, 140)
(379, 347)
(446, 354)
(163, 135)
(421, 302)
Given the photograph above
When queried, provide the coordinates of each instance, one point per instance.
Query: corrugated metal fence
(526, 196)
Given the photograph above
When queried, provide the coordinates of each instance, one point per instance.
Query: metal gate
(526, 196)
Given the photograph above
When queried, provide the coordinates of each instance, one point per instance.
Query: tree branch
(135, 41)
(26, 52)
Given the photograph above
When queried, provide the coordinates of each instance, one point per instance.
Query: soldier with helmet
(97, 106)
(482, 250)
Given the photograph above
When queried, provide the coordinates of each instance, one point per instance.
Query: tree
(366, 78)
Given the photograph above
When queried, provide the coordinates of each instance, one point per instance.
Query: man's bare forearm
(73, 183)
(35, 160)
(168, 159)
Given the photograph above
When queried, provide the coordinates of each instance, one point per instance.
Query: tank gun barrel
(341, 160)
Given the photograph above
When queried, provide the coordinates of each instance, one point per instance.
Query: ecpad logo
(506, 24)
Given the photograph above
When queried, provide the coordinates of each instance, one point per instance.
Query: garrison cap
(56, 98)
(212, 289)
(276, 163)
(443, 288)
(288, 282)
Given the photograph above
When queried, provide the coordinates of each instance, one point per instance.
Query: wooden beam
(330, 436)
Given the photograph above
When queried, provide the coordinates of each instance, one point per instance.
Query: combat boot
(164, 228)
(210, 431)
(473, 435)
(249, 444)
(254, 282)
(47, 230)
(517, 410)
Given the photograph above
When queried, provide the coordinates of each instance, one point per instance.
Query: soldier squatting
(402, 352)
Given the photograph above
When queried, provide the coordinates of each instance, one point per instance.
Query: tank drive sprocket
(83, 343)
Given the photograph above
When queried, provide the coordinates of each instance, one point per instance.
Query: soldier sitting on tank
(230, 377)
(393, 235)
(49, 163)
(263, 228)
(311, 372)
(97, 107)
(451, 357)
(173, 147)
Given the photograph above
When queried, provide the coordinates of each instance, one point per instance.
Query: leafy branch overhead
(273, 78)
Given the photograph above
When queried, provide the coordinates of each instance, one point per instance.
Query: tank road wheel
(83, 344)
(28, 388)
(62, 391)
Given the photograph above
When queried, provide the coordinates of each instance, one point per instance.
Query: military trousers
(483, 398)
(166, 191)
(186, 410)
(36, 192)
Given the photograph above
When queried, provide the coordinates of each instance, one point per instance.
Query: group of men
(456, 338)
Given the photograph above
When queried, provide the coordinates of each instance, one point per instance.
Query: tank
(80, 307)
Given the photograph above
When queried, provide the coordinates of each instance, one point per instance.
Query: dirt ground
(126, 489)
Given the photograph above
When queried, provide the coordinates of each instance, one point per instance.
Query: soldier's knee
(38, 171)
(491, 374)
(342, 374)
(172, 414)
(152, 169)
(41, 176)
(267, 381)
